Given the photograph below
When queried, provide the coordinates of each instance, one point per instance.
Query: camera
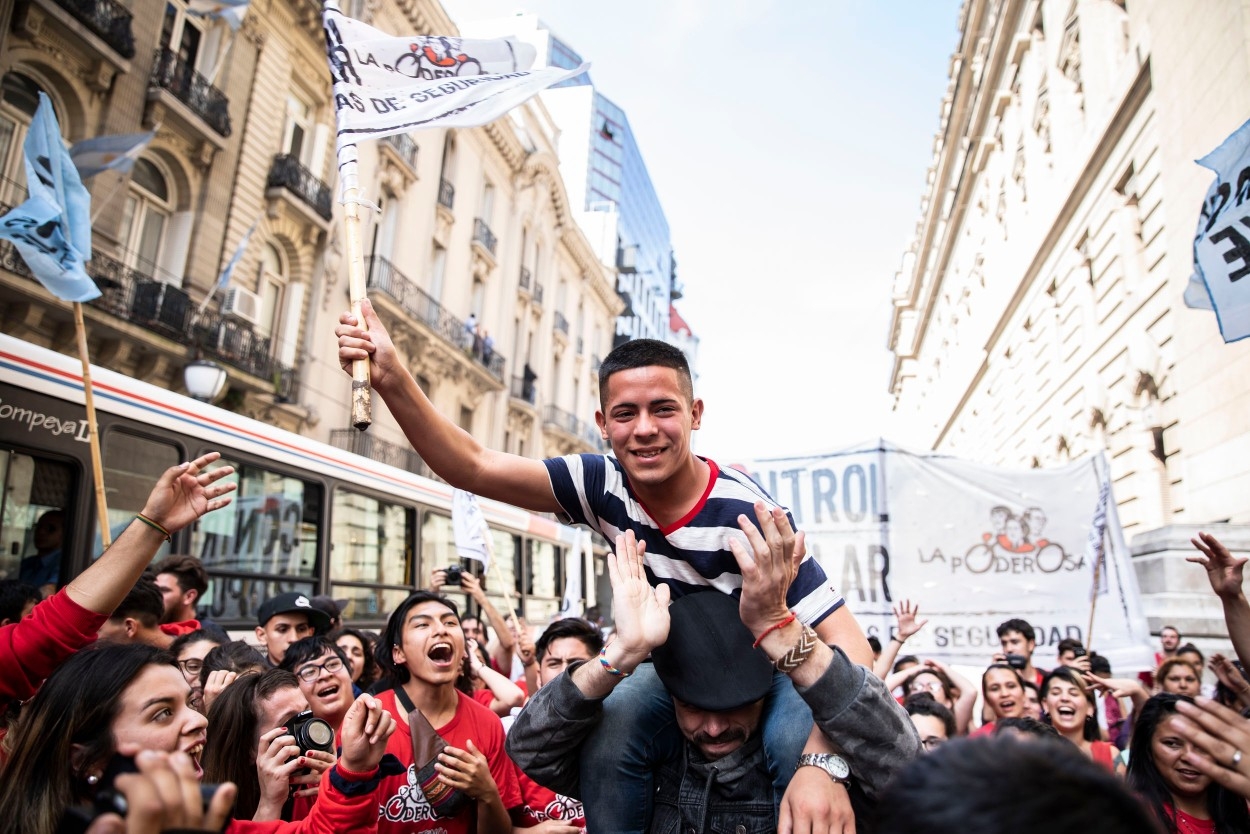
(1017, 661)
(453, 572)
(1079, 651)
(105, 799)
(311, 733)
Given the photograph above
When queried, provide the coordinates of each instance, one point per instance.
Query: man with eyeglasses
(324, 677)
(934, 722)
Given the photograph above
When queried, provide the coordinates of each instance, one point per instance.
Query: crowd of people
(735, 690)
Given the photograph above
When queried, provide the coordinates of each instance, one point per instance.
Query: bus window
(370, 544)
(236, 599)
(438, 546)
(542, 600)
(33, 524)
(507, 549)
(132, 466)
(271, 527)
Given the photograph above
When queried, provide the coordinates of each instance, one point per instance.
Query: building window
(148, 208)
(183, 34)
(466, 418)
(297, 135)
(488, 203)
(438, 271)
(269, 284)
(19, 99)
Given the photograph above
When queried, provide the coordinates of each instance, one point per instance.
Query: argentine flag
(109, 153)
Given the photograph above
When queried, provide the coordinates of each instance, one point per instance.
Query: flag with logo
(469, 528)
(1221, 279)
(231, 11)
(52, 229)
(109, 153)
(385, 85)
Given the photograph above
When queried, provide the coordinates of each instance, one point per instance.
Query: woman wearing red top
(1004, 695)
(1072, 711)
(1161, 771)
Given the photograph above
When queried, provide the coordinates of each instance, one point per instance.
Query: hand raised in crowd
(1222, 739)
(641, 611)
(466, 770)
(364, 732)
(473, 587)
(905, 614)
(1118, 688)
(215, 684)
(165, 796)
(185, 492)
(1230, 676)
(475, 658)
(366, 339)
(524, 645)
(768, 569)
(1224, 570)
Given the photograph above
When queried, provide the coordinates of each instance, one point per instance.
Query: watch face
(838, 767)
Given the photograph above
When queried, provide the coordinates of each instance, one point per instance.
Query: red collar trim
(713, 474)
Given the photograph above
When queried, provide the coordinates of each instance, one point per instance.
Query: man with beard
(422, 652)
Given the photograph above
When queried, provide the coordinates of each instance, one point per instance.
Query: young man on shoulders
(683, 506)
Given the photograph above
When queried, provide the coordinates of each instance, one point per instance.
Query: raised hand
(1224, 570)
(366, 727)
(768, 569)
(370, 341)
(641, 611)
(186, 491)
(905, 613)
(1222, 741)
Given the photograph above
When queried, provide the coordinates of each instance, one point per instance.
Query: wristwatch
(831, 763)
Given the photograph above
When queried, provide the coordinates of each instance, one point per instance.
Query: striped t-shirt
(691, 554)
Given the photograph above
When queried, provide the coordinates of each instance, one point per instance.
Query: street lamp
(204, 379)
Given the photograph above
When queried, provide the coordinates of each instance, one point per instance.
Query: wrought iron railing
(134, 295)
(538, 293)
(383, 451)
(108, 19)
(381, 274)
(192, 89)
(523, 389)
(483, 235)
(561, 323)
(405, 147)
(525, 279)
(287, 172)
(588, 433)
(239, 345)
(446, 194)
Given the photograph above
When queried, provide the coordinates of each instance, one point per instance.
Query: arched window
(19, 98)
(270, 284)
(149, 205)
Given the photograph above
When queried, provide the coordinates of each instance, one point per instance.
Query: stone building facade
(1037, 314)
(473, 228)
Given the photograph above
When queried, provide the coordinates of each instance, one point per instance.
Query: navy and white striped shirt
(691, 554)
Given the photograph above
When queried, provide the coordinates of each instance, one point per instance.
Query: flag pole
(93, 432)
(362, 401)
(1093, 603)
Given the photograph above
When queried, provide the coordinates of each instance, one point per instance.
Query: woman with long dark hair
(1160, 770)
(1003, 690)
(1072, 711)
(359, 650)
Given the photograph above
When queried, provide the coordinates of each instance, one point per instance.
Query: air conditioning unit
(243, 305)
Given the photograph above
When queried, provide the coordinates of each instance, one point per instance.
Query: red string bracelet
(773, 628)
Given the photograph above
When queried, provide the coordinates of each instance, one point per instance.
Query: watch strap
(823, 761)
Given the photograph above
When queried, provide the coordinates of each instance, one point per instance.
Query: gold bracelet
(799, 652)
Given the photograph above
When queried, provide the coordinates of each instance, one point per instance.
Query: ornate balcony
(561, 324)
(405, 148)
(483, 236)
(192, 89)
(525, 279)
(382, 275)
(446, 194)
(538, 293)
(573, 428)
(522, 391)
(238, 345)
(392, 454)
(287, 173)
(108, 19)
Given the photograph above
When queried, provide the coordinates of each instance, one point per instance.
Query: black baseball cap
(294, 603)
(708, 661)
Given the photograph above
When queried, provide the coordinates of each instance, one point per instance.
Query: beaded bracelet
(774, 627)
(608, 667)
(155, 526)
(799, 653)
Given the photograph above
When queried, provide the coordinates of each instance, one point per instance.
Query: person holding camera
(1018, 640)
(454, 576)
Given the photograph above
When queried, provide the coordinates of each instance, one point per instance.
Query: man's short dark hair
(874, 643)
(1017, 624)
(645, 353)
(392, 635)
(1190, 648)
(1068, 644)
(308, 649)
(187, 569)
(907, 658)
(144, 603)
(1033, 786)
(575, 627)
(13, 598)
(235, 656)
(1099, 664)
(1025, 725)
(922, 703)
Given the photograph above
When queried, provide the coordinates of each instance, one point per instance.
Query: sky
(788, 142)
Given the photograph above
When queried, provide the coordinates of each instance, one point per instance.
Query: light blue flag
(52, 229)
(231, 11)
(1222, 240)
(109, 153)
(238, 256)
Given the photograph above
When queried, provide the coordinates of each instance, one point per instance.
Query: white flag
(574, 570)
(385, 85)
(1222, 240)
(469, 528)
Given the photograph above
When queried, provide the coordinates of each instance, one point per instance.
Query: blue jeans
(639, 731)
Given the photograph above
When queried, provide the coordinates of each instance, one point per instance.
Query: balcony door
(19, 99)
(148, 209)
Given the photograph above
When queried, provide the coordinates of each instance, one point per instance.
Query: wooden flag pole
(93, 432)
(1093, 602)
(362, 400)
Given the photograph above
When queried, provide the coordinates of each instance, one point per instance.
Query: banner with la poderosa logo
(973, 545)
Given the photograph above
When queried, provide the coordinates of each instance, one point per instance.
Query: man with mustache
(717, 675)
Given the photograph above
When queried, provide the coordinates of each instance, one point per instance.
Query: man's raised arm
(449, 450)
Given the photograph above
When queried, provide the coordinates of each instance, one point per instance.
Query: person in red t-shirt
(423, 650)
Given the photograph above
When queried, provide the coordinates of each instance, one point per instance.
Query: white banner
(574, 570)
(1222, 240)
(469, 528)
(385, 85)
(973, 545)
